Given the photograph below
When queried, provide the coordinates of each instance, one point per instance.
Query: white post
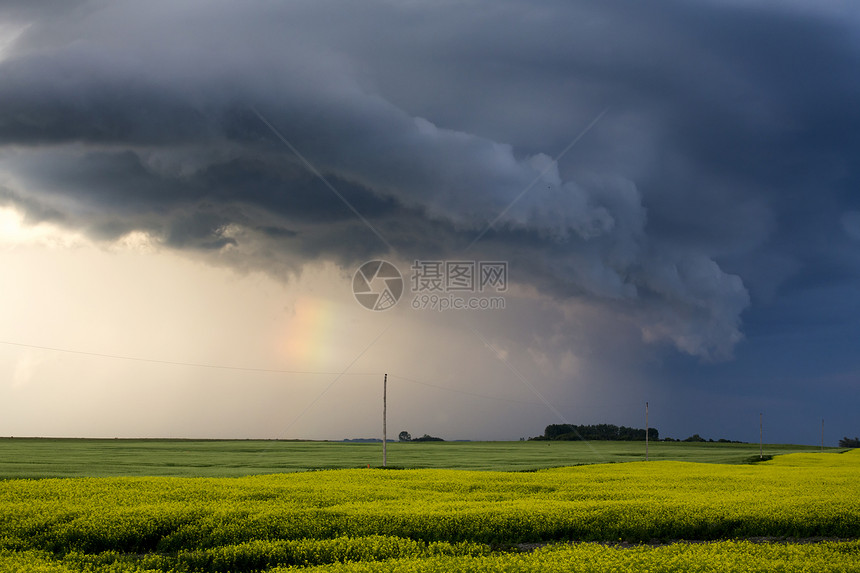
(384, 414)
(646, 431)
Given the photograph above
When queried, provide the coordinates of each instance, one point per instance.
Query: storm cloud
(703, 149)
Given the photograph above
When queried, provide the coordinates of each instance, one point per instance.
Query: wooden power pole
(646, 431)
(384, 415)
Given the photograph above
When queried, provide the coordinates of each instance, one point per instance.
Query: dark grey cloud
(725, 150)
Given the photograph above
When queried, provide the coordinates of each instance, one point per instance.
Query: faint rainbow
(310, 331)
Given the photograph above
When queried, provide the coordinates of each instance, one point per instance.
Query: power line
(180, 363)
(466, 392)
(253, 369)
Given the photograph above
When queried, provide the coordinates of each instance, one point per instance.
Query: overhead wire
(260, 370)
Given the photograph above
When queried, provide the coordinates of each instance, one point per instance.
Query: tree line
(596, 432)
(405, 436)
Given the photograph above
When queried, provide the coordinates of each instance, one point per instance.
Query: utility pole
(646, 431)
(384, 415)
(822, 435)
(760, 435)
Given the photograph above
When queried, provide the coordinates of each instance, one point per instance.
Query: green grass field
(46, 458)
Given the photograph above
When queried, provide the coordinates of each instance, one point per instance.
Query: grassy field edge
(34, 458)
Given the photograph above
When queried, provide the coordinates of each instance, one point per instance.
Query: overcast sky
(187, 191)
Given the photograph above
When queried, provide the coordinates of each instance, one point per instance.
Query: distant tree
(404, 436)
(847, 442)
(428, 438)
(695, 438)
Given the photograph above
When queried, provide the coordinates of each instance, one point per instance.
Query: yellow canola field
(711, 557)
(442, 520)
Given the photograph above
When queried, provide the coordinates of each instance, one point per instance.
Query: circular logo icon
(377, 285)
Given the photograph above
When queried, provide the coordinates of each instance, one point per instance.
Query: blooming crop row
(714, 557)
(711, 557)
